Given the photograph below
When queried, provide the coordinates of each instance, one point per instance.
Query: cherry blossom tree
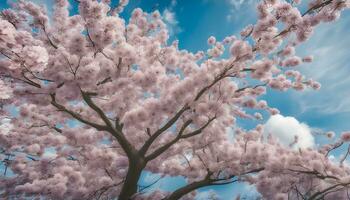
(102, 99)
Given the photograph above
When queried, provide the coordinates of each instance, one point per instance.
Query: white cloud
(286, 128)
(169, 17)
(236, 5)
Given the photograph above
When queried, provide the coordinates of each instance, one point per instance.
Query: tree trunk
(130, 185)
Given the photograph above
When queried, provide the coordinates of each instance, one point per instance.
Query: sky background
(193, 21)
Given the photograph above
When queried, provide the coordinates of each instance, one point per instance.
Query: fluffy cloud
(286, 128)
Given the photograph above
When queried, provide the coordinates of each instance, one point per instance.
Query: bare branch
(314, 196)
(180, 135)
(127, 147)
(166, 146)
(316, 173)
(206, 181)
(251, 87)
(142, 188)
(335, 146)
(346, 155)
(171, 121)
(76, 115)
(88, 101)
(198, 131)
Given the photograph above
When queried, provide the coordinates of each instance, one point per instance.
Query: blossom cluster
(101, 98)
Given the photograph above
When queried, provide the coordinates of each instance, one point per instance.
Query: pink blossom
(274, 111)
(330, 134)
(262, 104)
(103, 98)
(288, 51)
(316, 85)
(345, 136)
(211, 40)
(291, 61)
(247, 30)
(308, 59)
(241, 48)
(250, 103)
(258, 116)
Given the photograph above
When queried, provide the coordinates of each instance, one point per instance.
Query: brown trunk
(130, 185)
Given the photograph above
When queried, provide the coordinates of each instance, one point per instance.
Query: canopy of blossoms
(138, 103)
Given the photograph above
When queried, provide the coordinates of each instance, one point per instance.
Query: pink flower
(308, 59)
(291, 62)
(289, 50)
(316, 85)
(247, 30)
(258, 116)
(240, 49)
(262, 104)
(123, 2)
(274, 111)
(330, 134)
(100, 96)
(250, 103)
(345, 136)
(156, 14)
(281, 196)
(211, 40)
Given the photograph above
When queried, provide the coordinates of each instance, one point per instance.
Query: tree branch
(160, 150)
(180, 135)
(286, 30)
(314, 196)
(335, 146)
(198, 131)
(117, 133)
(316, 173)
(76, 115)
(207, 181)
(250, 86)
(153, 137)
(346, 155)
(91, 104)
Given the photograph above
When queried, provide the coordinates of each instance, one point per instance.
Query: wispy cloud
(208, 194)
(330, 47)
(169, 17)
(236, 5)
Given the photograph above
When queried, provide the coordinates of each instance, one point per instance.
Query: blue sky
(193, 21)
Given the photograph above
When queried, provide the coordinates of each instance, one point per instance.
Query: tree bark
(130, 185)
